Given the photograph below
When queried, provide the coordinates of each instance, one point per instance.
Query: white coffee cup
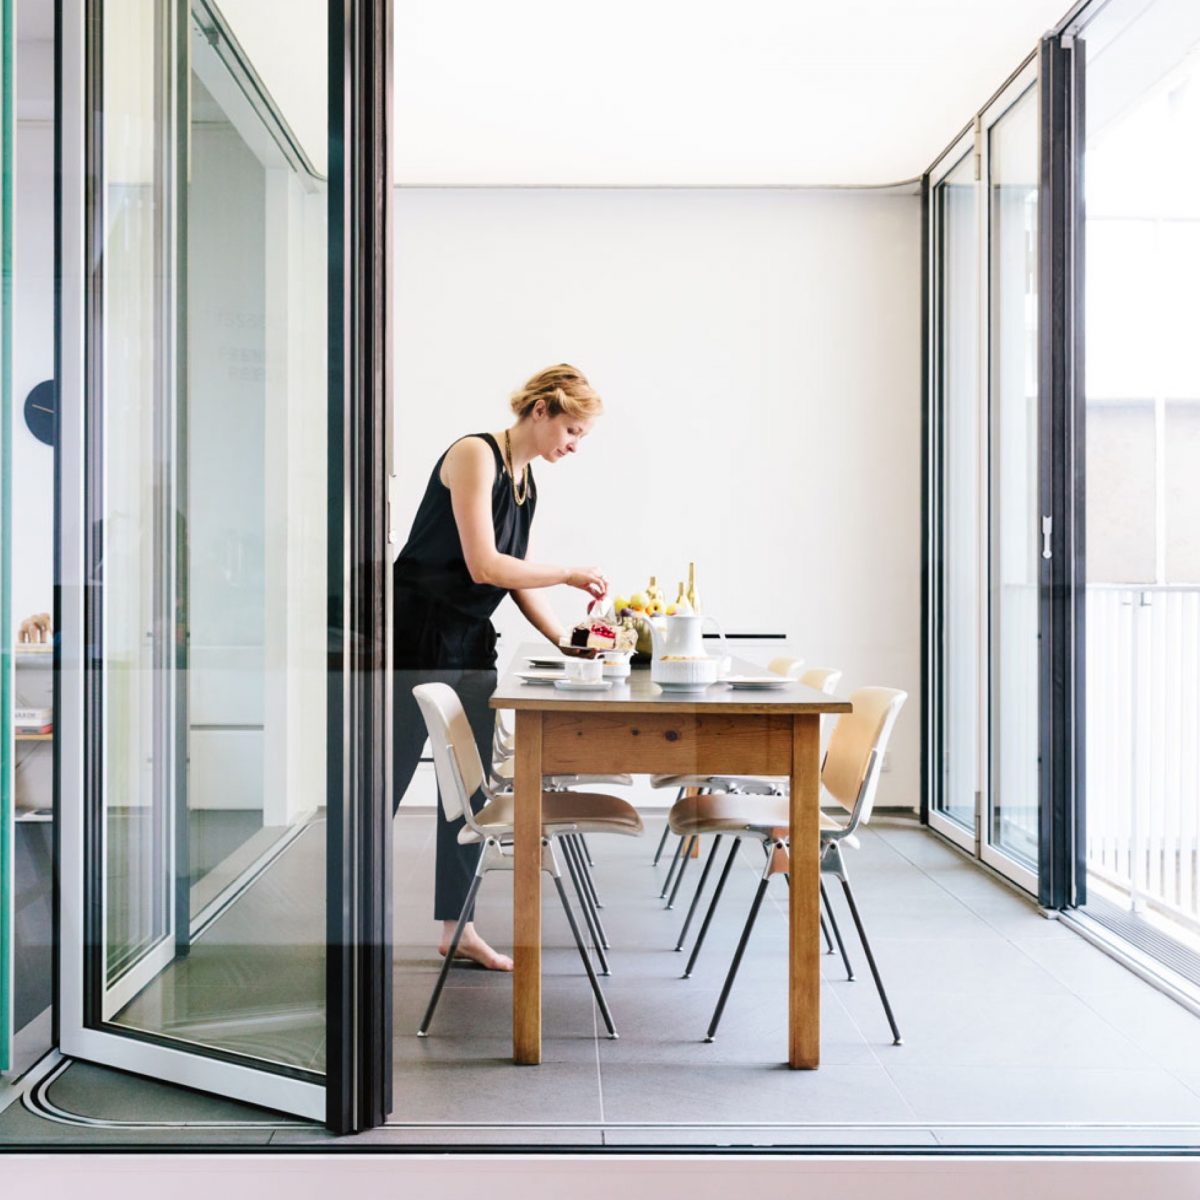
(585, 670)
(616, 663)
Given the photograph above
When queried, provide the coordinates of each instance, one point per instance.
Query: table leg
(804, 946)
(527, 889)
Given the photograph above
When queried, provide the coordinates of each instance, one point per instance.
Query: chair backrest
(455, 755)
(856, 748)
(824, 679)
(791, 667)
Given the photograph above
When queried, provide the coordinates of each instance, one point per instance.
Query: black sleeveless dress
(440, 615)
(442, 631)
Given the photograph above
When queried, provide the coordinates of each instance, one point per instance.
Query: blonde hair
(564, 389)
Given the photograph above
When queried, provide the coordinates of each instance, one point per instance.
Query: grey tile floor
(1016, 1031)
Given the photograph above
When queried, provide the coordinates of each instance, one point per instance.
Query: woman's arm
(538, 613)
(469, 471)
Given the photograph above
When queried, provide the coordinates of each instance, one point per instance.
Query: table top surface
(639, 694)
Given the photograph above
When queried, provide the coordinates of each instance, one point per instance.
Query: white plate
(583, 685)
(538, 676)
(547, 660)
(684, 687)
(760, 682)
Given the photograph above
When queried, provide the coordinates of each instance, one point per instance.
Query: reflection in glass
(213, 553)
(1016, 529)
(959, 311)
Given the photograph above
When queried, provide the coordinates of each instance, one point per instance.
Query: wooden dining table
(636, 727)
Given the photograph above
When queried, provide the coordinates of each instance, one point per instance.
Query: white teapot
(679, 661)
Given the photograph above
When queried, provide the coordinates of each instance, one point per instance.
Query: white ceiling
(696, 92)
(657, 92)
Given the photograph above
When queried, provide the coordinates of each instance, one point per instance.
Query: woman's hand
(588, 579)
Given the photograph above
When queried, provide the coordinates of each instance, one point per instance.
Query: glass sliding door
(1011, 841)
(985, 530)
(194, 548)
(1141, 228)
(955, 328)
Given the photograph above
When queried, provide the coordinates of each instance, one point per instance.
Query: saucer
(757, 682)
(546, 660)
(538, 676)
(583, 685)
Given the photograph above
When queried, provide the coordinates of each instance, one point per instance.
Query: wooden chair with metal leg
(575, 846)
(460, 775)
(685, 847)
(823, 679)
(850, 775)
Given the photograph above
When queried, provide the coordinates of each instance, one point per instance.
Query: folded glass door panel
(195, 897)
(7, 123)
(955, 287)
(1016, 532)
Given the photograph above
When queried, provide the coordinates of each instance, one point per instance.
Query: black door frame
(359, 1058)
(1062, 850)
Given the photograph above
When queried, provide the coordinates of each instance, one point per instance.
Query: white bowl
(685, 672)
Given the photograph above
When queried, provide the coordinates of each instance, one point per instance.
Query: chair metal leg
(683, 866)
(588, 915)
(837, 933)
(712, 857)
(671, 869)
(587, 960)
(585, 868)
(589, 892)
(712, 908)
(737, 956)
(862, 937)
(662, 841)
(463, 917)
(587, 854)
(825, 935)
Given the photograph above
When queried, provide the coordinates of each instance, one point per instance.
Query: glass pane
(1142, 239)
(1120, 492)
(214, 553)
(134, 487)
(1016, 537)
(6, 630)
(960, 502)
(1182, 486)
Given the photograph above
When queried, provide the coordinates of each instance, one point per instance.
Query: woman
(465, 553)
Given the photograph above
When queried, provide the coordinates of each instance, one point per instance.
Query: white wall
(759, 356)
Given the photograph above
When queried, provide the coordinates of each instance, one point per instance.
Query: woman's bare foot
(472, 946)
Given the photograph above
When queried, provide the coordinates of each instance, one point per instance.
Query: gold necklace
(518, 497)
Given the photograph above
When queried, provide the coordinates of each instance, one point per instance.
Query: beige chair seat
(724, 812)
(566, 812)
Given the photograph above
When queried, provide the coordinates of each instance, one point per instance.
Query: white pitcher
(679, 659)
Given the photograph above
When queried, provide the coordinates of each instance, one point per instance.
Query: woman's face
(559, 436)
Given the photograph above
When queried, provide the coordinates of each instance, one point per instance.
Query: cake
(603, 633)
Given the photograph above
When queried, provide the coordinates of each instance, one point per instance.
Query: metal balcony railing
(1143, 745)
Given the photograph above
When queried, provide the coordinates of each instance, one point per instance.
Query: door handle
(1047, 527)
(393, 534)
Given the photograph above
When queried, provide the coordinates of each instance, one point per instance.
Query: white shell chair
(460, 775)
(824, 679)
(575, 846)
(780, 665)
(850, 775)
